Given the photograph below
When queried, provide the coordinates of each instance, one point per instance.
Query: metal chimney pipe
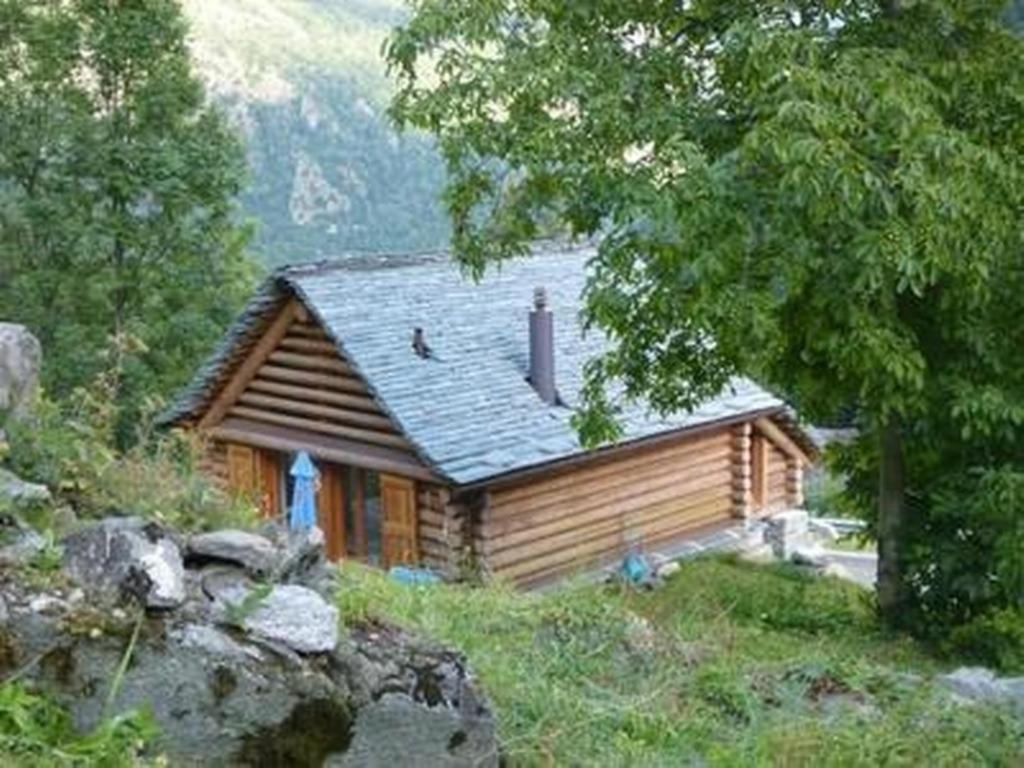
(542, 348)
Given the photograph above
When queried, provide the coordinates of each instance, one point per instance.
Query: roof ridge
(363, 262)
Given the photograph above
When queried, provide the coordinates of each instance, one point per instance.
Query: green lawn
(728, 664)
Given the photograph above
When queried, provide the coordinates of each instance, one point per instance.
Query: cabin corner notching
(457, 454)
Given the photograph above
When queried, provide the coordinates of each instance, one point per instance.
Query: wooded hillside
(304, 82)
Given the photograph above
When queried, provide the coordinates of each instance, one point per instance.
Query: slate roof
(469, 412)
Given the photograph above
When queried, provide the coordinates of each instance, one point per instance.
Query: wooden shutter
(331, 510)
(398, 508)
(255, 473)
(241, 468)
(268, 481)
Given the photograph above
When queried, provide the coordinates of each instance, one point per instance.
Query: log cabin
(438, 413)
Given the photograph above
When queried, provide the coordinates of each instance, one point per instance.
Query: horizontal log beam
(310, 362)
(310, 394)
(339, 415)
(769, 429)
(596, 506)
(304, 344)
(352, 433)
(310, 378)
(681, 454)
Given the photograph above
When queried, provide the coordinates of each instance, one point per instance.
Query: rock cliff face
(20, 359)
(305, 84)
(232, 640)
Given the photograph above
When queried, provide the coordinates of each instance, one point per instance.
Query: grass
(35, 732)
(728, 664)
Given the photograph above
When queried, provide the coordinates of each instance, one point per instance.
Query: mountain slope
(304, 81)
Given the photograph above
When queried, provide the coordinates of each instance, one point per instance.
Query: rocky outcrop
(20, 359)
(242, 660)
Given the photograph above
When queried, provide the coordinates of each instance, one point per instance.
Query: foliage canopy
(826, 194)
(117, 184)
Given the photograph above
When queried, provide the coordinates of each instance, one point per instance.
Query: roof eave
(609, 452)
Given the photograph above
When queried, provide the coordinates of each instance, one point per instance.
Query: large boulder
(20, 359)
(127, 557)
(246, 670)
(224, 695)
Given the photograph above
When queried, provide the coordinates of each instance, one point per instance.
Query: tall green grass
(36, 732)
(728, 664)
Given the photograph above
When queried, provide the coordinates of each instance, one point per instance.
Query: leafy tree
(117, 184)
(825, 193)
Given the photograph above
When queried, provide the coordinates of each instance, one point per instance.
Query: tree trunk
(893, 590)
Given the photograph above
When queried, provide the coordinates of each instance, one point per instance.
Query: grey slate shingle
(470, 411)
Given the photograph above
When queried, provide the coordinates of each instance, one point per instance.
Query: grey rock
(119, 557)
(256, 553)
(224, 584)
(272, 685)
(20, 360)
(786, 531)
(421, 706)
(221, 698)
(214, 642)
(45, 604)
(18, 493)
(838, 571)
(808, 554)
(297, 617)
(19, 544)
(982, 686)
(397, 731)
(303, 552)
(667, 570)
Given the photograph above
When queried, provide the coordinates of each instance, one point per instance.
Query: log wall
(305, 383)
(778, 496)
(584, 517)
(213, 461)
(442, 526)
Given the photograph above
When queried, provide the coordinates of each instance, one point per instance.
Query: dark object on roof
(419, 344)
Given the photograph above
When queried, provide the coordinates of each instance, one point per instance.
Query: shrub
(968, 566)
(35, 731)
(70, 447)
(996, 638)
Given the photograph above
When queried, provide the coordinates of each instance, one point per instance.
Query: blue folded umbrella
(303, 508)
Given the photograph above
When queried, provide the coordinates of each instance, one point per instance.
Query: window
(363, 514)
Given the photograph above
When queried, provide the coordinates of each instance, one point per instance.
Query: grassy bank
(728, 664)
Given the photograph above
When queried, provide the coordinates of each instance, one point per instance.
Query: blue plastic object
(413, 576)
(636, 570)
(303, 509)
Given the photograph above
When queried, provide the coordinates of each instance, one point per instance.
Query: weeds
(34, 731)
(729, 664)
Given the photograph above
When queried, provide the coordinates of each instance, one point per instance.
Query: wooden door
(331, 509)
(398, 512)
(255, 473)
